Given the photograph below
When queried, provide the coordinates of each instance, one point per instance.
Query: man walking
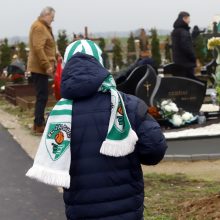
(41, 62)
(182, 46)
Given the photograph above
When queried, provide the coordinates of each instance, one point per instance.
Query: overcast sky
(16, 16)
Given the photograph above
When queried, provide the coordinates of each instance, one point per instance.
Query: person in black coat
(182, 45)
(196, 33)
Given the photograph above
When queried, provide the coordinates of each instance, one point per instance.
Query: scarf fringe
(49, 176)
(119, 148)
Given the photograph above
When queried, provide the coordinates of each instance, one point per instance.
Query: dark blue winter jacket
(104, 187)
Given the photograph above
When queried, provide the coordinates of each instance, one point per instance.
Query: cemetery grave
(23, 95)
(188, 94)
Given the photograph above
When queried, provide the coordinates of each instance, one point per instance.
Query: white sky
(16, 16)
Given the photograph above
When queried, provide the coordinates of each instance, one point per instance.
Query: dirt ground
(202, 209)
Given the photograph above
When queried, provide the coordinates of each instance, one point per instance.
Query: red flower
(17, 77)
(153, 111)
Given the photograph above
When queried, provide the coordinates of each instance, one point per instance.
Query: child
(110, 136)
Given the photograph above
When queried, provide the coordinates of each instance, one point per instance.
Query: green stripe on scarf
(60, 112)
(64, 102)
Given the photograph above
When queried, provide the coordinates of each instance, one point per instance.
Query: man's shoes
(38, 130)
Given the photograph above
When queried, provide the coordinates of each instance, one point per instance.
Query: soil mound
(201, 209)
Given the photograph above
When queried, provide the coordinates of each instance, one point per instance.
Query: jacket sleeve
(187, 45)
(151, 145)
(39, 41)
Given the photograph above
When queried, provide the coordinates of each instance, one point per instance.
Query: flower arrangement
(153, 111)
(214, 43)
(17, 78)
(176, 116)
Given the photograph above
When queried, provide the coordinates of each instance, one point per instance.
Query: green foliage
(102, 44)
(218, 93)
(117, 54)
(22, 53)
(130, 43)
(104, 54)
(200, 49)
(202, 53)
(5, 54)
(131, 56)
(62, 42)
(217, 75)
(155, 47)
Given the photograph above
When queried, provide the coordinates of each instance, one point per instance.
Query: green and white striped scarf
(52, 161)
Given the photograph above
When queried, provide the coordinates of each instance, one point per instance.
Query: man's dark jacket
(182, 46)
(104, 187)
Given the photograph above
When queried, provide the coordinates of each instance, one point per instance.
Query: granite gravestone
(188, 94)
(130, 83)
(146, 85)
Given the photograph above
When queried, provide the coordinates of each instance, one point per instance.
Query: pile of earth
(201, 209)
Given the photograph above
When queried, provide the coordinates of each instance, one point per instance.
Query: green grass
(164, 194)
(25, 117)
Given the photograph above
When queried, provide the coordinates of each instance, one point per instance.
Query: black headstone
(188, 94)
(130, 84)
(146, 85)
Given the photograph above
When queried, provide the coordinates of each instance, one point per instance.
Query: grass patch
(164, 194)
(24, 117)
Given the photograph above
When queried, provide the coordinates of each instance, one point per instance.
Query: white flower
(174, 107)
(177, 120)
(2, 88)
(187, 116)
(168, 108)
(163, 103)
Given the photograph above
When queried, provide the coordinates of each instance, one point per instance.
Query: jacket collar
(46, 25)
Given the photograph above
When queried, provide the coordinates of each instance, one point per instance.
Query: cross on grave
(147, 86)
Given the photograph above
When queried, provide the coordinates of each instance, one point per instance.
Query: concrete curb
(192, 137)
(193, 157)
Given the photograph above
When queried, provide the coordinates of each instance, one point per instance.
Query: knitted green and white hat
(83, 46)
